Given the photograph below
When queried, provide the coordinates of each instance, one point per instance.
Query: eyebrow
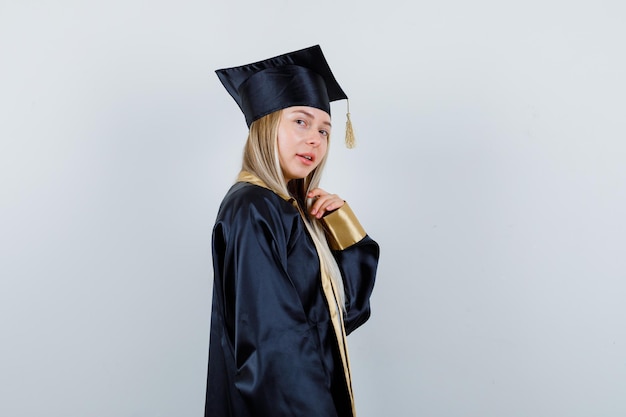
(310, 115)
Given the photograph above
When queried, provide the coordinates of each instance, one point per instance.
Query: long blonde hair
(260, 157)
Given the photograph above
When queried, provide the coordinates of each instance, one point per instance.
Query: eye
(324, 133)
(301, 122)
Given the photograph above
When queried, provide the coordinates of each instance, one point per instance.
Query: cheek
(284, 139)
(284, 149)
(281, 143)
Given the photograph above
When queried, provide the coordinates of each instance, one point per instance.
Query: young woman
(293, 268)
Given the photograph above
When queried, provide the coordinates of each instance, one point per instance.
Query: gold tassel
(350, 140)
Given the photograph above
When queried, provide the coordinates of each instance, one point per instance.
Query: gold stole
(330, 292)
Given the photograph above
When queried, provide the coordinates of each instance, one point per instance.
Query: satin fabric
(298, 78)
(272, 350)
(342, 226)
(277, 88)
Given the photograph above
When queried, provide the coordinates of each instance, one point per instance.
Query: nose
(313, 139)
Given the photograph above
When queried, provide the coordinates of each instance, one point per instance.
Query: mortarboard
(299, 78)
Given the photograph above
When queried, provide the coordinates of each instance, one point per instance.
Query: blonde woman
(293, 268)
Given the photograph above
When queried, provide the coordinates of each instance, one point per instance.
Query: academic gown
(272, 350)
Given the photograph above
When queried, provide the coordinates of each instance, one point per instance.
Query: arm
(357, 256)
(279, 371)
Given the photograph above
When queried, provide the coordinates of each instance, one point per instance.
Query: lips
(306, 158)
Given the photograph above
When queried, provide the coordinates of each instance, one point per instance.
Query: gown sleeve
(357, 256)
(279, 371)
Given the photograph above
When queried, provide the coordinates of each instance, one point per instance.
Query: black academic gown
(273, 352)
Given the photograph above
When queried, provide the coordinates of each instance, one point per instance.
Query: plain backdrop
(490, 167)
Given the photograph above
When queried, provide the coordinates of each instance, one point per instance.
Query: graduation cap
(299, 78)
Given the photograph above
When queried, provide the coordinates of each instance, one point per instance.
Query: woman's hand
(323, 202)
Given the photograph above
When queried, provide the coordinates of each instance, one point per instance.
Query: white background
(490, 167)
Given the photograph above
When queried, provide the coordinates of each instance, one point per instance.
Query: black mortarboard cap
(300, 78)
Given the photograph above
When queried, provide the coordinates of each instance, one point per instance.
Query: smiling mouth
(307, 157)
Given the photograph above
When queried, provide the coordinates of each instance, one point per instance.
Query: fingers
(324, 202)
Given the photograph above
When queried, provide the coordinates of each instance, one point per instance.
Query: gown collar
(245, 176)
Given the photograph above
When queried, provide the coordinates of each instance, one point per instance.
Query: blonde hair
(260, 157)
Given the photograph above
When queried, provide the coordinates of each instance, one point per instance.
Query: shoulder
(243, 194)
(245, 190)
(245, 201)
(251, 211)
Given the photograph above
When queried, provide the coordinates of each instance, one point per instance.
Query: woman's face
(302, 140)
